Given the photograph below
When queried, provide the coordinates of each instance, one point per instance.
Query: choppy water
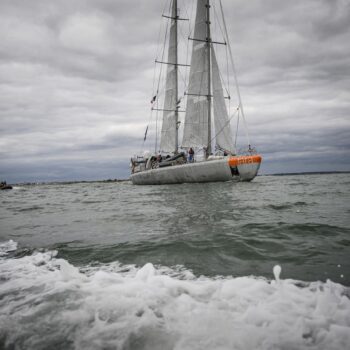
(116, 266)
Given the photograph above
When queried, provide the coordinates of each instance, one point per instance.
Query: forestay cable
(234, 74)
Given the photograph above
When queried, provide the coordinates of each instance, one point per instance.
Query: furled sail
(196, 118)
(223, 133)
(168, 133)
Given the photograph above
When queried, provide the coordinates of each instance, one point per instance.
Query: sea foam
(8, 246)
(45, 302)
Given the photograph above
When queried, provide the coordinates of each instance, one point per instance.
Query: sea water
(260, 265)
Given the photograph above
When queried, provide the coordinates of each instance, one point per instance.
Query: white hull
(206, 171)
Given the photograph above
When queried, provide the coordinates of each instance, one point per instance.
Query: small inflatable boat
(5, 186)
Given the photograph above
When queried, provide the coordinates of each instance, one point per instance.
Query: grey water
(190, 266)
(301, 222)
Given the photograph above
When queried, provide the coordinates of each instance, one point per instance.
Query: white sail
(196, 118)
(168, 133)
(223, 133)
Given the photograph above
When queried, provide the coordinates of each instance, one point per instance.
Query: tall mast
(176, 80)
(209, 82)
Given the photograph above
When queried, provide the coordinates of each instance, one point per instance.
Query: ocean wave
(45, 302)
(286, 205)
(8, 246)
(18, 188)
(30, 208)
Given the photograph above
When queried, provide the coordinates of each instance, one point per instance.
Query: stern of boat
(246, 167)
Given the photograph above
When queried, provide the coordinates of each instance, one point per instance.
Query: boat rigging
(205, 107)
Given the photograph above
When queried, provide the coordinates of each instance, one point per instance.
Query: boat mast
(176, 80)
(208, 152)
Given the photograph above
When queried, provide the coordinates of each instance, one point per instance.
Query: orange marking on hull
(234, 161)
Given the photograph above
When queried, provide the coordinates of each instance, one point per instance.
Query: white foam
(276, 272)
(8, 246)
(18, 188)
(47, 301)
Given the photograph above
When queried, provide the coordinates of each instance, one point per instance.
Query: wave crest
(8, 246)
(46, 299)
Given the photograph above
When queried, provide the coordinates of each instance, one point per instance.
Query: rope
(153, 81)
(228, 81)
(234, 74)
(224, 126)
(217, 22)
(236, 136)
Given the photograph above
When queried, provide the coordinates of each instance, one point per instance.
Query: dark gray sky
(76, 80)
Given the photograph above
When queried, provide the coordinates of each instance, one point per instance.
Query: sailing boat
(177, 164)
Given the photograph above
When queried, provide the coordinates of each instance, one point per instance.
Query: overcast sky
(76, 82)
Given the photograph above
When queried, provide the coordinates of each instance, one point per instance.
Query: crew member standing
(191, 155)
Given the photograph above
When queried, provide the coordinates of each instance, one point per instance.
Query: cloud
(88, 34)
(77, 78)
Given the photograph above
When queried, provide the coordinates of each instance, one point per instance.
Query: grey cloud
(76, 80)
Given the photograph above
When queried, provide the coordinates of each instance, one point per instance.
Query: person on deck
(191, 155)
